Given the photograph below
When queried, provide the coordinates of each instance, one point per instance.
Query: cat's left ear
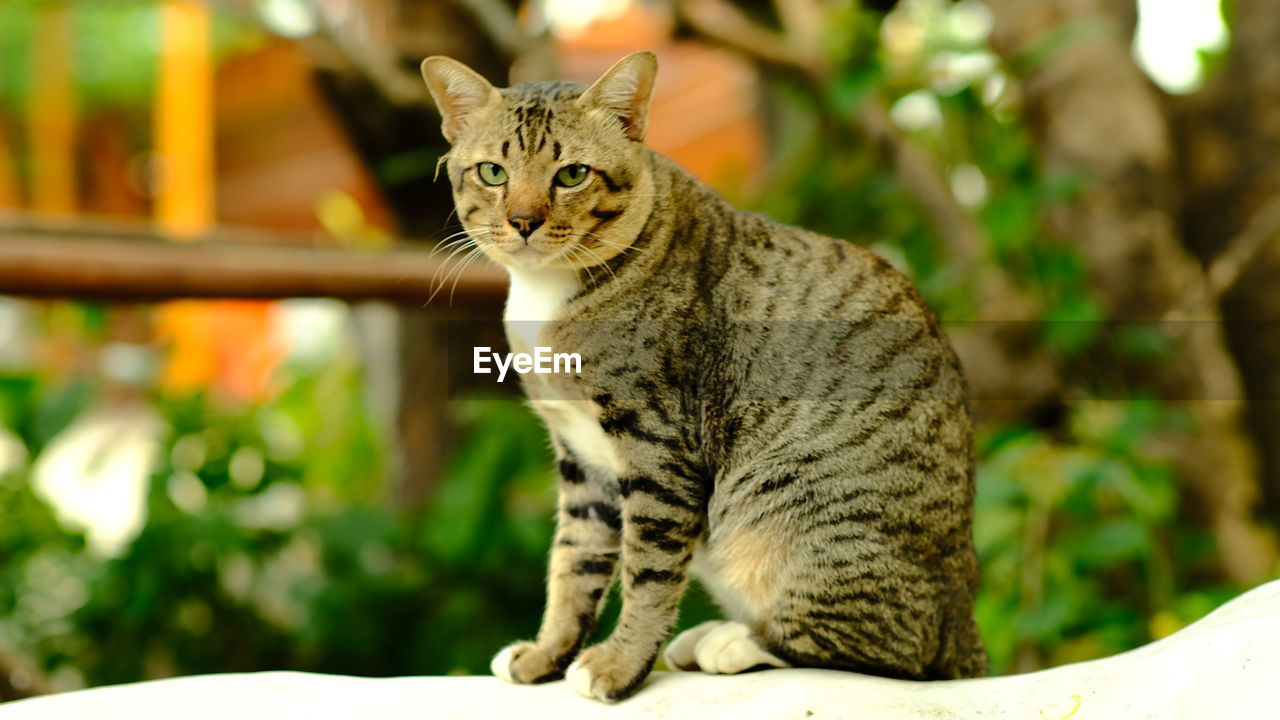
(458, 91)
(624, 91)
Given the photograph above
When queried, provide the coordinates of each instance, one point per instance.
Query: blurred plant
(1084, 550)
(270, 541)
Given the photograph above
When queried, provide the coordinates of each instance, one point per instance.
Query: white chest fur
(535, 297)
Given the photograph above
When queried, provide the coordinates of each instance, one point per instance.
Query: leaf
(1106, 545)
(1071, 324)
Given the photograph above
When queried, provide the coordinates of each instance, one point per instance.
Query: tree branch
(798, 50)
(801, 21)
(379, 65)
(1243, 248)
(532, 57)
(726, 25)
(499, 23)
(1226, 269)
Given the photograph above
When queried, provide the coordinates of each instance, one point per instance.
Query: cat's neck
(534, 296)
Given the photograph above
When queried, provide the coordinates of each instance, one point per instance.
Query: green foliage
(1084, 551)
(295, 565)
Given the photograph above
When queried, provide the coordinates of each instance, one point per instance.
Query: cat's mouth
(527, 255)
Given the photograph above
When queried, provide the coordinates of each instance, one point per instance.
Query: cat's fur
(771, 409)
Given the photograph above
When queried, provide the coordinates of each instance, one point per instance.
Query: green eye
(571, 175)
(492, 174)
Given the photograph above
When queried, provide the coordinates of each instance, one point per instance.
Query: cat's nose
(526, 224)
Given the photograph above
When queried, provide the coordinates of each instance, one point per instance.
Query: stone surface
(1224, 666)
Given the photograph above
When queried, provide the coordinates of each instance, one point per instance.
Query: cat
(771, 410)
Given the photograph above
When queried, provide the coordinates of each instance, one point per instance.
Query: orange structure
(184, 119)
(51, 113)
(226, 346)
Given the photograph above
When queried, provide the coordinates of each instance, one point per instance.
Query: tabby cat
(771, 410)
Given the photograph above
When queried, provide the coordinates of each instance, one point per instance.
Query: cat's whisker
(454, 272)
(450, 216)
(469, 246)
(574, 255)
(622, 248)
(459, 236)
(487, 227)
(453, 245)
(462, 270)
(464, 242)
(611, 243)
(451, 231)
(444, 264)
(599, 260)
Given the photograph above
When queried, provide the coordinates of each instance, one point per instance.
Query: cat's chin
(526, 257)
(530, 257)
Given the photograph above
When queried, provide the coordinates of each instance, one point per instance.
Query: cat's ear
(625, 91)
(458, 91)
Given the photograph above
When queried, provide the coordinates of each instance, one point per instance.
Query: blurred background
(231, 437)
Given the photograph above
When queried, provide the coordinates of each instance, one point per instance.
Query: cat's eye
(492, 173)
(571, 175)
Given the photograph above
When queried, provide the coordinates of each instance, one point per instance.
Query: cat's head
(548, 174)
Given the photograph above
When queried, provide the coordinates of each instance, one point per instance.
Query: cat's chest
(533, 299)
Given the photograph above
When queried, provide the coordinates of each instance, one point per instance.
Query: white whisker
(574, 257)
(462, 244)
(462, 270)
(610, 243)
(600, 261)
(456, 270)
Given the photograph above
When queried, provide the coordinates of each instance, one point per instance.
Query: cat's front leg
(583, 558)
(662, 516)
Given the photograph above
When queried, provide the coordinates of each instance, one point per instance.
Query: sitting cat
(774, 411)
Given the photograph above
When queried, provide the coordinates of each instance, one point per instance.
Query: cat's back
(782, 272)
(805, 300)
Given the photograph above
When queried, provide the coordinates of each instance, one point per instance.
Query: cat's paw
(525, 663)
(680, 653)
(730, 648)
(602, 673)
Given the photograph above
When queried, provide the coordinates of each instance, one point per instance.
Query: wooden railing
(128, 261)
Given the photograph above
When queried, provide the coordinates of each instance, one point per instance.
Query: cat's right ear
(458, 91)
(624, 91)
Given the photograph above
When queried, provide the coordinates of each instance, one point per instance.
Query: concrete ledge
(1225, 666)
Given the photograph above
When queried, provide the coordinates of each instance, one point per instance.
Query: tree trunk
(1096, 117)
(1231, 173)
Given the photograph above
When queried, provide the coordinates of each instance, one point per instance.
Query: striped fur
(773, 410)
